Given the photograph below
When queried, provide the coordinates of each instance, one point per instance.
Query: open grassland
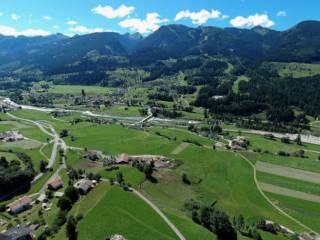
(283, 171)
(121, 110)
(292, 162)
(23, 144)
(27, 130)
(289, 183)
(76, 89)
(297, 70)
(9, 156)
(216, 176)
(305, 211)
(289, 192)
(181, 135)
(274, 146)
(115, 139)
(180, 148)
(116, 215)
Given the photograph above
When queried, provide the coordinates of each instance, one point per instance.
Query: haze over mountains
(300, 43)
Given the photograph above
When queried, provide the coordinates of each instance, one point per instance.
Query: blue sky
(43, 17)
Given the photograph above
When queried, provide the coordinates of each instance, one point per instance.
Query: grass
(9, 156)
(130, 174)
(289, 183)
(124, 111)
(115, 215)
(179, 135)
(115, 139)
(76, 89)
(305, 211)
(293, 162)
(220, 176)
(235, 87)
(274, 146)
(297, 70)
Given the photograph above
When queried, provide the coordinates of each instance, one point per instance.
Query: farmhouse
(20, 205)
(239, 143)
(122, 159)
(11, 136)
(16, 233)
(84, 186)
(147, 158)
(55, 183)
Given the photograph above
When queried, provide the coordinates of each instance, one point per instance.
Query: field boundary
(180, 148)
(288, 172)
(289, 192)
(269, 200)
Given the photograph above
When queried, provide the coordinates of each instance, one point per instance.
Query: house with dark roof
(16, 233)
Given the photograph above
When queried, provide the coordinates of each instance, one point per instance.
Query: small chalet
(16, 233)
(84, 186)
(55, 183)
(20, 205)
(122, 159)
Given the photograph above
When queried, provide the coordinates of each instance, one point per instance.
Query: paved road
(57, 141)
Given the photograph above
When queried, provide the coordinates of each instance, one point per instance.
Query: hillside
(300, 43)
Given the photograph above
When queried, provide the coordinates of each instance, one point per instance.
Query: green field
(235, 87)
(297, 70)
(220, 176)
(115, 139)
(289, 183)
(76, 89)
(305, 211)
(115, 215)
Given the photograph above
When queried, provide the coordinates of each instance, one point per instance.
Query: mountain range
(300, 43)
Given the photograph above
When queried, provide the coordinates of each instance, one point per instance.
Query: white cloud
(56, 27)
(72, 22)
(252, 21)
(200, 17)
(1, 14)
(111, 13)
(15, 17)
(83, 29)
(282, 14)
(150, 24)
(34, 32)
(47, 18)
(9, 31)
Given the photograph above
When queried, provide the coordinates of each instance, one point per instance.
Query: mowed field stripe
(180, 148)
(289, 193)
(288, 172)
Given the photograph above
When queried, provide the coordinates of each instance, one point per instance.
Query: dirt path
(289, 192)
(288, 172)
(161, 214)
(180, 148)
(270, 202)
